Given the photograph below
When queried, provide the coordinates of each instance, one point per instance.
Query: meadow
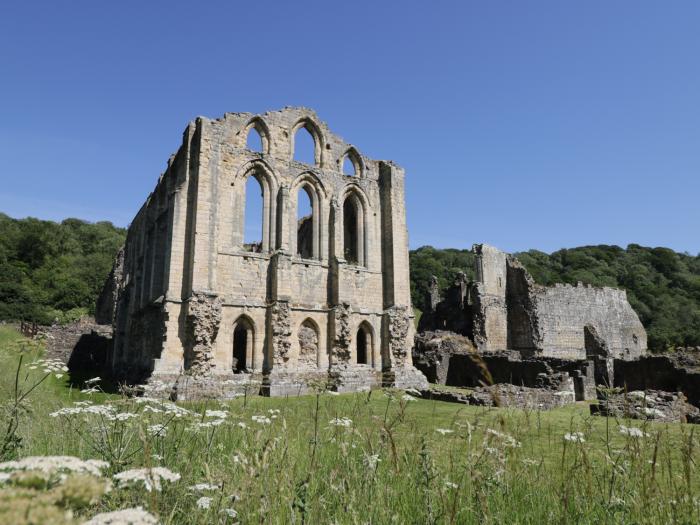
(381, 456)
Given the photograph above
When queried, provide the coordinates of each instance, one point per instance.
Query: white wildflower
(53, 464)
(241, 424)
(632, 432)
(151, 478)
(157, 430)
(408, 397)
(231, 513)
(220, 414)
(122, 416)
(263, 420)
(157, 457)
(133, 516)
(274, 411)
(340, 422)
(208, 424)
(451, 485)
(93, 380)
(204, 502)
(444, 431)
(203, 487)
(90, 390)
(506, 439)
(59, 376)
(371, 460)
(575, 437)
(149, 408)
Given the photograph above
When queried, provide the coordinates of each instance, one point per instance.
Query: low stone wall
(450, 359)
(673, 372)
(503, 395)
(649, 404)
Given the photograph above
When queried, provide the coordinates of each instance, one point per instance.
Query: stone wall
(564, 311)
(449, 359)
(187, 244)
(506, 309)
(672, 372)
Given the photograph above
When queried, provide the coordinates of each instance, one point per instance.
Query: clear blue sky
(538, 124)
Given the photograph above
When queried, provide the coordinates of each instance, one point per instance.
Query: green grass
(300, 468)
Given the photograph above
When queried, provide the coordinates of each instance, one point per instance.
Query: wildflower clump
(575, 437)
(48, 489)
(131, 516)
(150, 477)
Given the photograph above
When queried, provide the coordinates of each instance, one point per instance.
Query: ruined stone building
(505, 328)
(319, 297)
(504, 309)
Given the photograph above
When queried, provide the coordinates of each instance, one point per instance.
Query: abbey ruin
(322, 298)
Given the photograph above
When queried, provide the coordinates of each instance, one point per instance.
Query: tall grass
(379, 457)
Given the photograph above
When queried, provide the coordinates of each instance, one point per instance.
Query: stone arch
(258, 125)
(306, 238)
(315, 131)
(354, 212)
(309, 343)
(364, 344)
(243, 345)
(355, 159)
(268, 184)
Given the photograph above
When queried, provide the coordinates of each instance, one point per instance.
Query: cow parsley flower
(203, 487)
(133, 516)
(408, 397)
(632, 432)
(371, 460)
(122, 416)
(575, 437)
(506, 439)
(150, 477)
(451, 485)
(157, 430)
(220, 414)
(204, 502)
(93, 380)
(340, 422)
(263, 420)
(444, 431)
(55, 464)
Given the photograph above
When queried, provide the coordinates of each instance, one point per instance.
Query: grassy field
(375, 457)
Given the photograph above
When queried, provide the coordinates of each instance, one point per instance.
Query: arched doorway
(364, 344)
(243, 340)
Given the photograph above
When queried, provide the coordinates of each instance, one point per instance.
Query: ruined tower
(324, 297)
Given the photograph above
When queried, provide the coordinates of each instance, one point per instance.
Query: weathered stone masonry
(561, 337)
(506, 310)
(189, 299)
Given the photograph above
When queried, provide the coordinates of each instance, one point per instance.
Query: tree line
(54, 271)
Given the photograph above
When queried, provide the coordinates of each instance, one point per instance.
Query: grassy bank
(377, 457)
